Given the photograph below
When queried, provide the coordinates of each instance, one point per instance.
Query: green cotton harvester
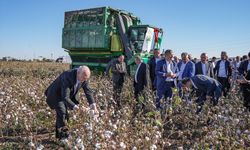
(94, 36)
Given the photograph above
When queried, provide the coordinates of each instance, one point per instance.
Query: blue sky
(32, 28)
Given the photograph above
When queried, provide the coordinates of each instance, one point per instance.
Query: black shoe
(215, 102)
(57, 134)
(62, 133)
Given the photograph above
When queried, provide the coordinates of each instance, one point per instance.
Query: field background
(26, 122)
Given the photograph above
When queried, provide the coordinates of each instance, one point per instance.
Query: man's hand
(75, 107)
(185, 89)
(94, 108)
(173, 75)
(243, 80)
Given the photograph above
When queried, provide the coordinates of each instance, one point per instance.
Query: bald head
(83, 73)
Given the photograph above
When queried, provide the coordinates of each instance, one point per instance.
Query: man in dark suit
(208, 88)
(204, 67)
(119, 71)
(140, 79)
(166, 73)
(62, 95)
(244, 70)
(224, 71)
(186, 69)
(152, 65)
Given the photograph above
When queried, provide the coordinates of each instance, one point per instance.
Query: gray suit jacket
(62, 89)
(118, 71)
(209, 69)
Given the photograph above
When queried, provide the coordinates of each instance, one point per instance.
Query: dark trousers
(165, 90)
(117, 88)
(139, 91)
(201, 97)
(225, 85)
(246, 95)
(61, 120)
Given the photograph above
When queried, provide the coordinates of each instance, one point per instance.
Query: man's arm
(88, 92)
(229, 69)
(158, 69)
(241, 68)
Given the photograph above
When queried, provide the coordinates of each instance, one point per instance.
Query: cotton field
(28, 123)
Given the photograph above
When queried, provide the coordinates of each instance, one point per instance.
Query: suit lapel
(200, 68)
(207, 67)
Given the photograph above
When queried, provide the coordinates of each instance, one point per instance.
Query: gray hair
(83, 69)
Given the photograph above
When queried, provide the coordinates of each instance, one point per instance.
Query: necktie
(76, 87)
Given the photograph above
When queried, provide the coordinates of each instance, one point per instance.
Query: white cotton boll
(108, 134)
(238, 131)
(65, 141)
(147, 138)
(89, 127)
(180, 148)
(75, 148)
(122, 145)
(90, 136)
(8, 116)
(134, 148)
(74, 117)
(79, 143)
(157, 136)
(246, 131)
(40, 147)
(97, 146)
(168, 144)
(115, 126)
(2, 93)
(158, 133)
(153, 147)
(31, 144)
(236, 121)
(24, 108)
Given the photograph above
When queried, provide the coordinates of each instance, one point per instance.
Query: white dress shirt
(76, 86)
(204, 69)
(183, 65)
(222, 70)
(169, 68)
(157, 59)
(136, 72)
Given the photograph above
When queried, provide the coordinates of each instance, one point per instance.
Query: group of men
(184, 74)
(165, 73)
(210, 79)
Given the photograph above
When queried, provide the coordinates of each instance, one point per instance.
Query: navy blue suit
(164, 88)
(188, 72)
(245, 87)
(207, 86)
(152, 66)
(189, 69)
(224, 81)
